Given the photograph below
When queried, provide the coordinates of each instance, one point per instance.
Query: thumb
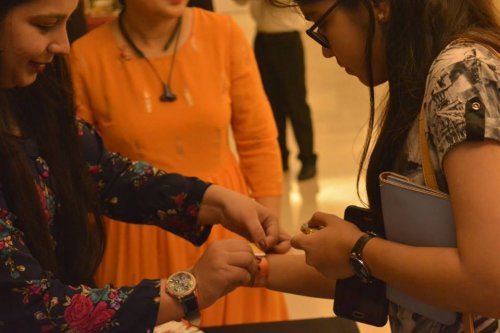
(298, 241)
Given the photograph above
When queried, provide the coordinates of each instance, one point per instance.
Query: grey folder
(419, 216)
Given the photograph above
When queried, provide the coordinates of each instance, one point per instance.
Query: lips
(39, 67)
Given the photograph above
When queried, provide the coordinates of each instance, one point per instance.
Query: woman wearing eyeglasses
(441, 56)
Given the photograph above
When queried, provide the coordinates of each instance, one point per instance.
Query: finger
(237, 276)
(320, 219)
(244, 260)
(298, 241)
(272, 232)
(282, 247)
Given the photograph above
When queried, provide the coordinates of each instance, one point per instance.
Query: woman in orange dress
(203, 68)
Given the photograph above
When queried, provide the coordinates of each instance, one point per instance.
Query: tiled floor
(340, 107)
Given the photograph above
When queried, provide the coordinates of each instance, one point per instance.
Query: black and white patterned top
(462, 103)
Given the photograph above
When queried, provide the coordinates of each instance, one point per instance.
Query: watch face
(360, 269)
(181, 284)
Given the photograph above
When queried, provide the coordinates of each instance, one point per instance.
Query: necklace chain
(174, 36)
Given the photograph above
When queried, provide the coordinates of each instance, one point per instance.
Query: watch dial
(181, 284)
(360, 269)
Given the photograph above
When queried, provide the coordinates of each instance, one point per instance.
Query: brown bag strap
(430, 181)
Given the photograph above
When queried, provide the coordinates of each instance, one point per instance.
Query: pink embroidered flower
(94, 169)
(78, 313)
(46, 298)
(46, 328)
(112, 294)
(99, 317)
(192, 211)
(179, 200)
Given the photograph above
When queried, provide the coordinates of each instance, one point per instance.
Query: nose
(60, 43)
(327, 52)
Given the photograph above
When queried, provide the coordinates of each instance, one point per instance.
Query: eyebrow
(309, 15)
(50, 16)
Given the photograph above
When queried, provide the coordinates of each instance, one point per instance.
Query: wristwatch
(356, 258)
(182, 285)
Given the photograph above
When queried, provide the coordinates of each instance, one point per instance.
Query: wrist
(356, 257)
(169, 308)
(262, 274)
(211, 208)
(183, 287)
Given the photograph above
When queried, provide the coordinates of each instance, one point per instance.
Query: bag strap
(430, 181)
(430, 176)
(428, 170)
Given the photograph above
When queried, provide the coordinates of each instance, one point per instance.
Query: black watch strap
(358, 247)
(357, 262)
(191, 309)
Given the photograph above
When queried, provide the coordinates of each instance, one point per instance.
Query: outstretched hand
(241, 215)
(328, 249)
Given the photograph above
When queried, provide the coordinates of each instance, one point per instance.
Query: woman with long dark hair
(56, 179)
(440, 56)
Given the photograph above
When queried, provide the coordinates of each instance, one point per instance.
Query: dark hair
(418, 30)
(46, 113)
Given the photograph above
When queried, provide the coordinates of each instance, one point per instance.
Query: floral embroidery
(133, 191)
(7, 236)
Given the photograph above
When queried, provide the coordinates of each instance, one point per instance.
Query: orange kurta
(218, 87)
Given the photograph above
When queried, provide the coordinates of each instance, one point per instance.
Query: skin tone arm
(465, 278)
(461, 279)
(306, 280)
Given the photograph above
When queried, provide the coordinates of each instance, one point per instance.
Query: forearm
(291, 274)
(437, 276)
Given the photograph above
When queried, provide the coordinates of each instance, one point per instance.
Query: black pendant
(168, 95)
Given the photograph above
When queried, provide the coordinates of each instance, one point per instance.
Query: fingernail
(263, 245)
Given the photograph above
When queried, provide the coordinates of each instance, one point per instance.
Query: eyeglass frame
(317, 36)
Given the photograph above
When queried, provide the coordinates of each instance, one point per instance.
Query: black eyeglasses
(314, 32)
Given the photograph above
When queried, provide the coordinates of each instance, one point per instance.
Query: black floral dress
(32, 300)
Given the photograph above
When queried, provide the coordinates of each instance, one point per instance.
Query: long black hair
(45, 113)
(418, 30)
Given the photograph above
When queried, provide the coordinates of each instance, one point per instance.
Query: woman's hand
(328, 249)
(284, 243)
(241, 215)
(225, 265)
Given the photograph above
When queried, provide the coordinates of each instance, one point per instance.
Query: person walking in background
(166, 83)
(77, 24)
(205, 4)
(280, 56)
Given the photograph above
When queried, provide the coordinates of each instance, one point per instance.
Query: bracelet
(262, 273)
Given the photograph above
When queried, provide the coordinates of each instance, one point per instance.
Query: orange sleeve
(80, 76)
(252, 120)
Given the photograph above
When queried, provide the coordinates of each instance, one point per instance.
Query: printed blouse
(461, 103)
(33, 300)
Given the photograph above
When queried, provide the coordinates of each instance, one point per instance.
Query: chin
(376, 82)
(26, 81)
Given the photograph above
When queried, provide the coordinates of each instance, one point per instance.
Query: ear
(382, 9)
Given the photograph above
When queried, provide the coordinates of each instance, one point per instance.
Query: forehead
(46, 7)
(312, 11)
